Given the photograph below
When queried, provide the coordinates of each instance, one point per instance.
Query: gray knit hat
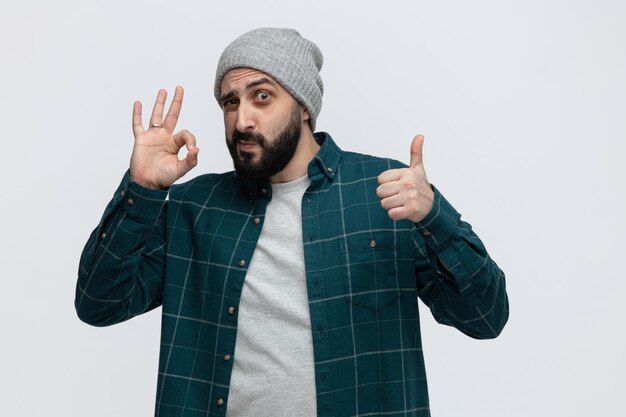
(284, 55)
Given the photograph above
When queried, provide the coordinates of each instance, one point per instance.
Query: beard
(273, 156)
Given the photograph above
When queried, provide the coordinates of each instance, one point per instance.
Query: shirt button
(123, 193)
(231, 310)
(103, 235)
(427, 233)
(330, 170)
(131, 201)
(226, 357)
(256, 220)
(220, 401)
(263, 190)
(372, 243)
(242, 262)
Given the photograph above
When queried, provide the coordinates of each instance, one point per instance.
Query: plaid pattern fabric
(364, 275)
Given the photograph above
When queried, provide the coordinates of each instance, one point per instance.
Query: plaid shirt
(364, 274)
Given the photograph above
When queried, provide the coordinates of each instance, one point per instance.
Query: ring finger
(156, 119)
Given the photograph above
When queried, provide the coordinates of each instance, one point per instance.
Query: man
(289, 286)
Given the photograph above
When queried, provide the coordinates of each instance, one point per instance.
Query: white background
(523, 107)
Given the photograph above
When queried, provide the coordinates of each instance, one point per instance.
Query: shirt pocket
(370, 270)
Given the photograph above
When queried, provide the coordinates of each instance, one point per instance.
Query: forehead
(238, 78)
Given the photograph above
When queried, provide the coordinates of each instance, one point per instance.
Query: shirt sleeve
(456, 278)
(121, 268)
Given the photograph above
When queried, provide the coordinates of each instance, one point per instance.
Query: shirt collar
(323, 165)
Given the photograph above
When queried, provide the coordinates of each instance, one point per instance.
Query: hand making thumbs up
(405, 192)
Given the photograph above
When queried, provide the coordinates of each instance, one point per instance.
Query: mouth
(246, 145)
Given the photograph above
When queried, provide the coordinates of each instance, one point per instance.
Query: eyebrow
(253, 84)
(263, 80)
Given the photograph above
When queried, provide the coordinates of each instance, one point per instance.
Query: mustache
(248, 137)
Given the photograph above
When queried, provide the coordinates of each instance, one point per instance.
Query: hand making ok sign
(154, 162)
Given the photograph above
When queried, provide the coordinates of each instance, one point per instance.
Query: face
(263, 123)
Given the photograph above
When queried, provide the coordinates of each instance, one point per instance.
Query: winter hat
(284, 55)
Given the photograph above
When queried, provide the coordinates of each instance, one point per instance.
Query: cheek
(229, 125)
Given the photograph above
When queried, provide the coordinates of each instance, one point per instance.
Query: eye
(262, 96)
(230, 103)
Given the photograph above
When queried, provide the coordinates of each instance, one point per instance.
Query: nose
(245, 118)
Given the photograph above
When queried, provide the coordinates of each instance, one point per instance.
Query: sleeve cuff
(440, 223)
(139, 203)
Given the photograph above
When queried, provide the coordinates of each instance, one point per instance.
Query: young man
(289, 287)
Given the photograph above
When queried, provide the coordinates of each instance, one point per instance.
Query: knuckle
(408, 183)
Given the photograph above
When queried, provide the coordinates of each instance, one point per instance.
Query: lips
(245, 145)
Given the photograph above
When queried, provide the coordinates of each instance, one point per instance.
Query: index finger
(390, 175)
(172, 114)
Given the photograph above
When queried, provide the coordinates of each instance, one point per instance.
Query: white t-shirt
(273, 371)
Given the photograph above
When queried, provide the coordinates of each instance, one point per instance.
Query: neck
(297, 167)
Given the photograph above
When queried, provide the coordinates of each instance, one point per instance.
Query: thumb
(416, 151)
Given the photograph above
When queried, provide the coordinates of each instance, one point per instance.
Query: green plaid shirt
(364, 274)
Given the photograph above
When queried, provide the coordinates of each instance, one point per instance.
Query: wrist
(145, 183)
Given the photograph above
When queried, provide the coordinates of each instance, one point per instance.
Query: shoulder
(205, 184)
(349, 161)
(364, 164)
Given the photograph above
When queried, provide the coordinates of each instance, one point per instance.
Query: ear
(305, 114)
